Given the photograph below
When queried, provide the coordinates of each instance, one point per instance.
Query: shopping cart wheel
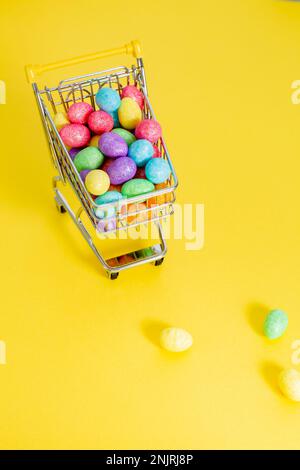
(158, 262)
(60, 209)
(113, 276)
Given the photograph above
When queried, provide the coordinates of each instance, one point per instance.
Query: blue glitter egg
(108, 99)
(109, 196)
(157, 170)
(141, 151)
(115, 117)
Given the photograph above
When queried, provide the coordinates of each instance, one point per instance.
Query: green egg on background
(275, 324)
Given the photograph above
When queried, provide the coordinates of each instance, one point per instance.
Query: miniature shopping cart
(156, 206)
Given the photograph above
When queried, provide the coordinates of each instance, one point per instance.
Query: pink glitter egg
(131, 91)
(75, 135)
(100, 121)
(148, 129)
(79, 112)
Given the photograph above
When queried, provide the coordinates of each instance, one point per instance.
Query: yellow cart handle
(132, 48)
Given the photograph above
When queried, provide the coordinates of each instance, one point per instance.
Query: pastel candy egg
(75, 135)
(115, 117)
(275, 324)
(129, 113)
(136, 186)
(73, 152)
(157, 170)
(141, 151)
(126, 135)
(107, 225)
(108, 99)
(289, 384)
(176, 339)
(83, 174)
(109, 196)
(121, 170)
(112, 145)
(97, 182)
(78, 113)
(94, 141)
(100, 121)
(60, 120)
(131, 91)
(148, 129)
(89, 158)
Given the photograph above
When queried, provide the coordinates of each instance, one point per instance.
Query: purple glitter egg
(83, 174)
(106, 225)
(73, 152)
(121, 170)
(112, 145)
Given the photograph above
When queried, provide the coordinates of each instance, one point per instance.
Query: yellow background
(83, 366)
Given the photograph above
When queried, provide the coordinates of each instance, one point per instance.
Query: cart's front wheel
(60, 209)
(158, 262)
(113, 276)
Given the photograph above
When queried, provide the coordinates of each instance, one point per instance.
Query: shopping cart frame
(84, 87)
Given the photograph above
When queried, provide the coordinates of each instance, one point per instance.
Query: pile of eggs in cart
(115, 150)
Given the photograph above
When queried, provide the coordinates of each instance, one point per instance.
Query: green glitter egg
(275, 324)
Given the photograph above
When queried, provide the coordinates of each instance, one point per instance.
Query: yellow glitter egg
(60, 120)
(94, 141)
(289, 384)
(130, 114)
(97, 182)
(176, 339)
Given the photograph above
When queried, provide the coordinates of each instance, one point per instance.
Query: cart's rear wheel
(158, 262)
(113, 276)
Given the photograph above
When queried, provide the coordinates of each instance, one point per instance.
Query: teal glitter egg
(275, 324)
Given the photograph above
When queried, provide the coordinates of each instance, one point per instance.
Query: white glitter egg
(289, 384)
(176, 339)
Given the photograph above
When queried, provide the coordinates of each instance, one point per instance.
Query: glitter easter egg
(121, 170)
(141, 151)
(148, 129)
(97, 182)
(109, 196)
(60, 120)
(89, 158)
(137, 186)
(176, 339)
(131, 91)
(289, 384)
(112, 145)
(108, 99)
(126, 135)
(75, 135)
(100, 121)
(157, 170)
(275, 324)
(129, 113)
(78, 113)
